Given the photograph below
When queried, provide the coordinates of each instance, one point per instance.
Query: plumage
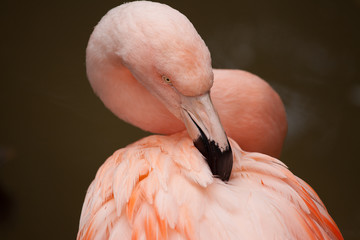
(149, 190)
(164, 186)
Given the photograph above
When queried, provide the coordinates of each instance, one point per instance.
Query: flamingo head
(164, 52)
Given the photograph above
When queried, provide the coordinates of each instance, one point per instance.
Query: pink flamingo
(150, 67)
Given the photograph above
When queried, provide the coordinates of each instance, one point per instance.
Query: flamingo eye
(166, 79)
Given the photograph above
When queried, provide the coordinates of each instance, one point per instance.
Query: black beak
(204, 127)
(219, 161)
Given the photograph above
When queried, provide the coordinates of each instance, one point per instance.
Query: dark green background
(55, 134)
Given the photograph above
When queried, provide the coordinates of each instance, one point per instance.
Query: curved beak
(203, 125)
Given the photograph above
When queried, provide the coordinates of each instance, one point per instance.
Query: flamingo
(150, 67)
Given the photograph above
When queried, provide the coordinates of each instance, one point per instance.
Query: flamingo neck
(128, 99)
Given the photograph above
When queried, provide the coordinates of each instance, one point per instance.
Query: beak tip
(219, 161)
(225, 165)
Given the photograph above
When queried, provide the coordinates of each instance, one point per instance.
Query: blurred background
(55, 133)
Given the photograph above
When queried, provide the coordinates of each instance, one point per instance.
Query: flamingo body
(161, 188)
(150, 67)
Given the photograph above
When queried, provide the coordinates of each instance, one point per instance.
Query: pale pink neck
(250, 110)
(131, 101)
